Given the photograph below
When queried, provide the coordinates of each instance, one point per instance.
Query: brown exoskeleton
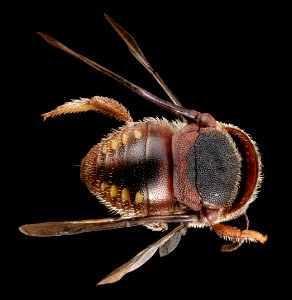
(155, 172)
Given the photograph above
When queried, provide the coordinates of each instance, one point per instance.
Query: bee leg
(236, 234)
(99, 104)
(235, 245)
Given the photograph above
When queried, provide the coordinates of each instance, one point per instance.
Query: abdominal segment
(130, 171)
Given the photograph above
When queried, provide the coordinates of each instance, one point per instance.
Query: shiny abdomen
(130, 171)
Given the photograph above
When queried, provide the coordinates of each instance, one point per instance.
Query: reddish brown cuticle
(206, 120)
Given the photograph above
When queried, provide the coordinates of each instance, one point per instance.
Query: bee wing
(48, 229)
(172, 243)
(142, 257)
(138, 54)
(177, 109)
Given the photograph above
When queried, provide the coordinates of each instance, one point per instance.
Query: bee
(193, 171)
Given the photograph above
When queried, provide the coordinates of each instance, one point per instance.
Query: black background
(220, 59)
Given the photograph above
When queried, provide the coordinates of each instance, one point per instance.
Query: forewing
(177, 109)
(47, 229)
(141, 258)
(138, 54)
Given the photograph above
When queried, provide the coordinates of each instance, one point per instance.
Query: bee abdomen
(130, 171)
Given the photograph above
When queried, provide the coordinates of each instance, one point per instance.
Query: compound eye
(214, 167)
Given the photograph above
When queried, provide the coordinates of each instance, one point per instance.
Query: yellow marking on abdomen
(126, 195)
(103, 186)
(125, 138)
(114, 144)
(104, 149)
(114, 191)
(137, 134)
(138, 198)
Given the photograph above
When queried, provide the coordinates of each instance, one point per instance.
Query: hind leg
(99, 104)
